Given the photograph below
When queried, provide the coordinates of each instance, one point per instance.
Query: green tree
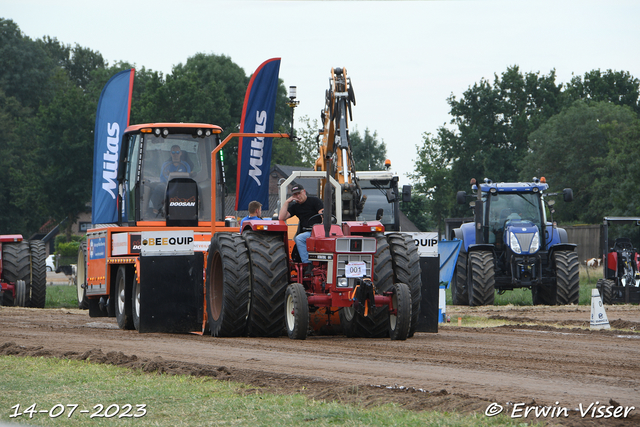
(26, 67)
(368, 153)
(583, 148)
(65, 151)
(417, 210)
(617, 87)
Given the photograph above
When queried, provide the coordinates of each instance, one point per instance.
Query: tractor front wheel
(400, 323)
(567, 277)
(481, 278)
(123, 300)
(296, 311)
(406, 269)
(135, 302)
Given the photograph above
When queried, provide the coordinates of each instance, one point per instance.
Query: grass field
(56, 386)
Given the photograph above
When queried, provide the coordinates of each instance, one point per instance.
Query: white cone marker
(598, 315)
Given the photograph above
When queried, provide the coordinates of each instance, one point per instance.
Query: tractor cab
(166, 174)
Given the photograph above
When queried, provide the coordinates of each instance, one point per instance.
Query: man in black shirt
(304, 207)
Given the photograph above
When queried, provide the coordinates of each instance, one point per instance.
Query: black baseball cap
(296, 188)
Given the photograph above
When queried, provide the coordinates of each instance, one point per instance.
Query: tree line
(584, 134)
(48, 98)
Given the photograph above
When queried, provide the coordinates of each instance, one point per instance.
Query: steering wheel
(312, 222)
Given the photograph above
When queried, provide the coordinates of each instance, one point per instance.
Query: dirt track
(458, 369)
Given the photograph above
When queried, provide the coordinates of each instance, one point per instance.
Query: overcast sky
(404, 58)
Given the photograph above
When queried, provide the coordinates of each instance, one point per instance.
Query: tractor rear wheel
(123, 299)
(459, 292)
(38, 283)
(228, 285)
(605, 287)
(406, 269)
(16, 266)
(567, 277)
(296, 311)
(375, 325)
(81, 277)
(400, 323)
(269, 280)
(481, 278)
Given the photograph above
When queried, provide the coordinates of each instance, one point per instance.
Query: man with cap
(304, 207)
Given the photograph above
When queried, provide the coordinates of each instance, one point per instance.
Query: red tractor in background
(620, 281)
(23, 274)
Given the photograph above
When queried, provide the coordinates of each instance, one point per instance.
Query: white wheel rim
(137, 301)
(291, 320)
(392, 317)
(349, 312)
(121, 296)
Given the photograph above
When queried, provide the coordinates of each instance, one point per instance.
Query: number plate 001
(356, 269)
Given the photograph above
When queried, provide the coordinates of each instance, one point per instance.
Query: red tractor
(352, 275)
(620, 281)
(23, 274)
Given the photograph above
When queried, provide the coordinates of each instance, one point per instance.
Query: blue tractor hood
(523, 237)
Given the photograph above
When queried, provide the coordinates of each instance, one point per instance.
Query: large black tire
(406, 269)
(459, 291)
(481, 278)
(38, 284)
(135, 302)
(375, 325)
(544, 294)
(123, 298)
(296, 311)
(81, 277)
(228, 285)
(16, 265)
(567, 277)
(605, 287)
(269, 281)
(400, 323)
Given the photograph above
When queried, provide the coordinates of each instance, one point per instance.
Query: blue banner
(112, 118)
(255, 153)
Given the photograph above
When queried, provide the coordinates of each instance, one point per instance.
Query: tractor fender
(467, 234)
(561, 247)
(555, 236)
(481, 247)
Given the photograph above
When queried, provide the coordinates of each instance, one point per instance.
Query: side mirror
(379, 214)
(391, 196)
(461, 197)
(406, 193)
(568, 194)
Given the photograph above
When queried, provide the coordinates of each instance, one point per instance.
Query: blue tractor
(511, 245)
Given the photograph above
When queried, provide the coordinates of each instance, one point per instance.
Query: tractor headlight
(515, 244)
(535, 243)
(343, 282)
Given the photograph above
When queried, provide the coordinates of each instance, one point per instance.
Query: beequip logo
(110, 159)
(257, 144)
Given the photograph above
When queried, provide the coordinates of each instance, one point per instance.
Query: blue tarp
(448, 251)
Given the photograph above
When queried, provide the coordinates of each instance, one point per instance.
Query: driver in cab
(304, 207)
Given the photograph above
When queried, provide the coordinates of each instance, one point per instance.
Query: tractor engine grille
(343, 259)
(525, 240)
